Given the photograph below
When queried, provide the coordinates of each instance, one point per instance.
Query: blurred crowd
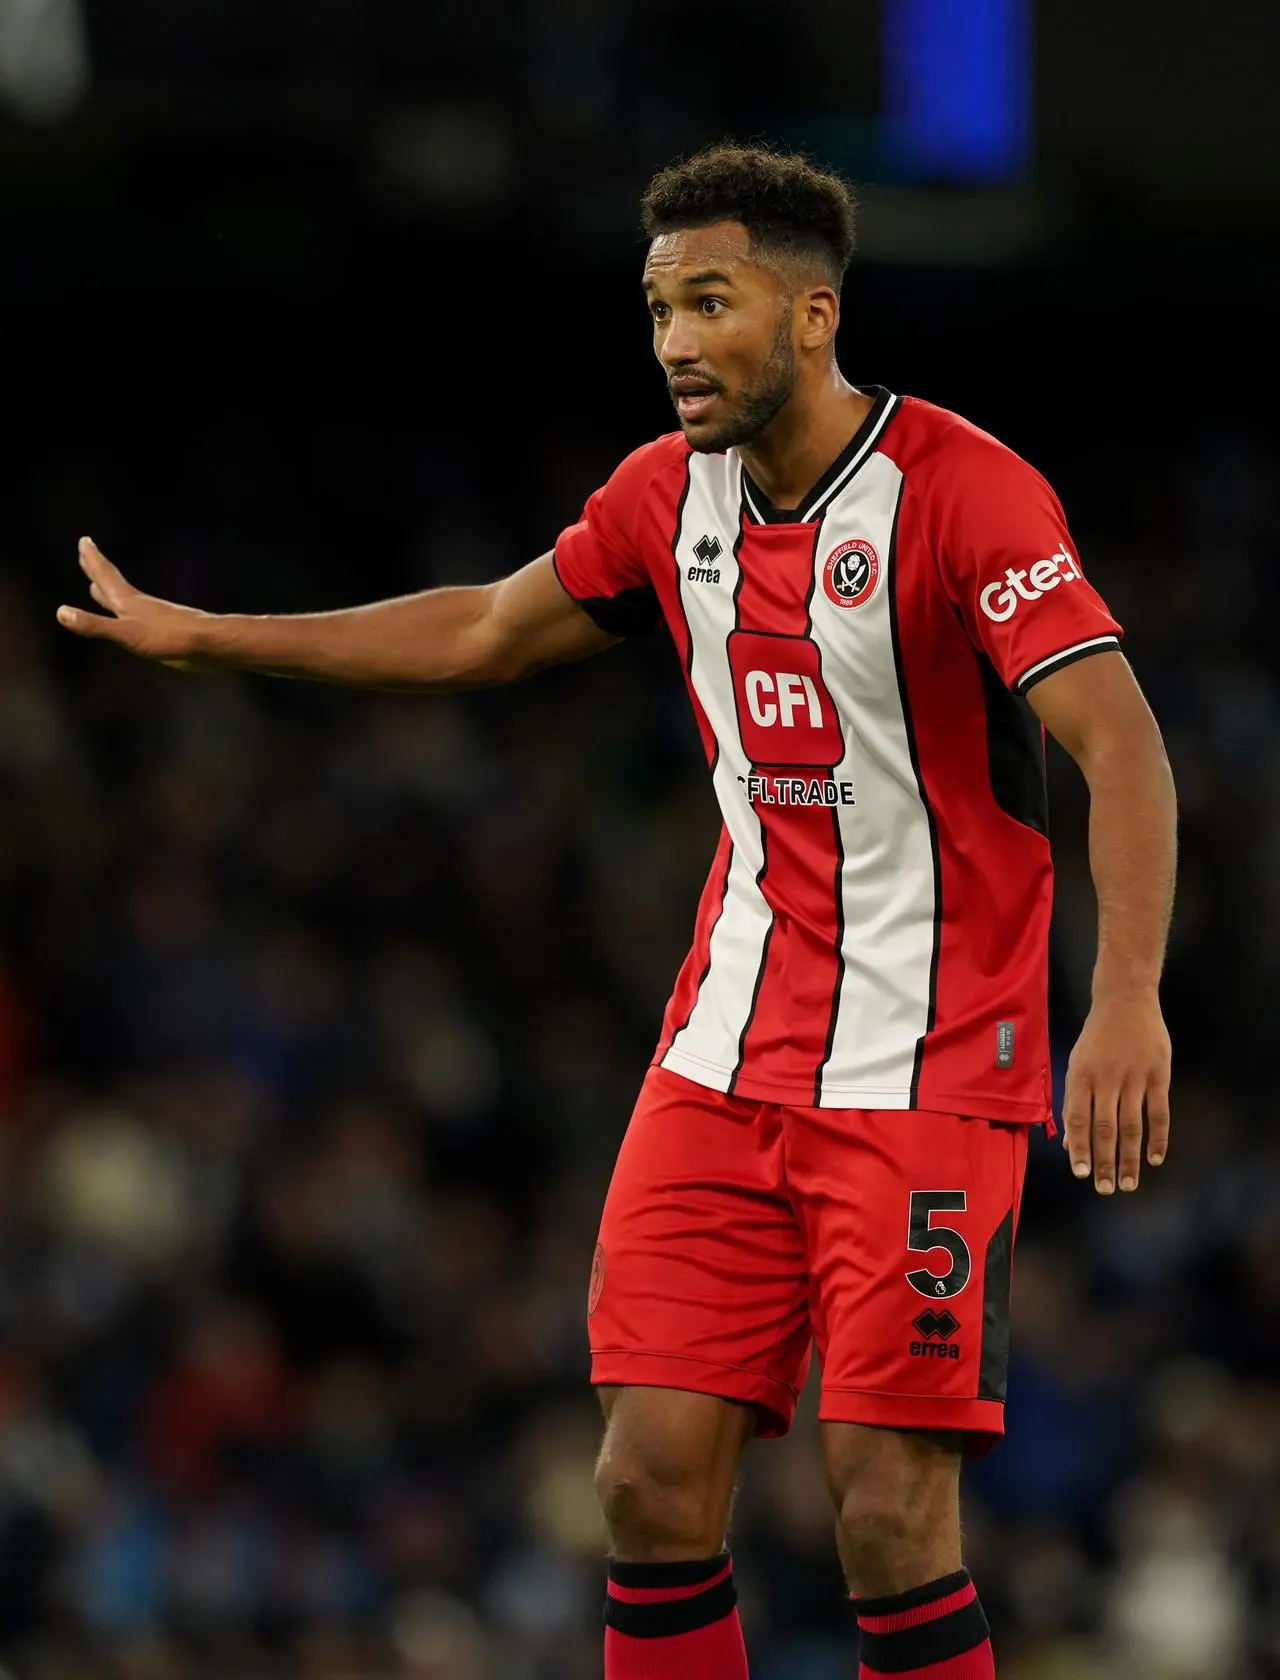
(320, 1019)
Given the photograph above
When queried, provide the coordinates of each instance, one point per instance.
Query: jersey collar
(761, 511)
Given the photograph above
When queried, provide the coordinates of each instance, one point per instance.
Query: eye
(710, 305)
(659, 311)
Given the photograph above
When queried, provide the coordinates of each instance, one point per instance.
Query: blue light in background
(957, 83)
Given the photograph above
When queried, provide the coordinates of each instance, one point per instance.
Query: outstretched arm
(439, 639)
(1119, 1068)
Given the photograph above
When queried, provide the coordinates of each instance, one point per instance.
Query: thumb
(89, 624)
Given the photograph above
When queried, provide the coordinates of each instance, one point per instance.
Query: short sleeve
(1013, 571)
(598, 560)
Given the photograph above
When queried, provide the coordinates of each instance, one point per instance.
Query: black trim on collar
(762, 511)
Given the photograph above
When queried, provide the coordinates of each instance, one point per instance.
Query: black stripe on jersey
(675, 561)
(833, 1014)
(1059, 662)
(764, 839)
(878, 421)
(1015, 751)
(895, 634)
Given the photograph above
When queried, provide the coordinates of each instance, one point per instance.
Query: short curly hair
(790, 208)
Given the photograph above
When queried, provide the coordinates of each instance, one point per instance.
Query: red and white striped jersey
(874, 932)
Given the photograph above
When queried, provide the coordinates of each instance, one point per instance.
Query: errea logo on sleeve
(1000, 600)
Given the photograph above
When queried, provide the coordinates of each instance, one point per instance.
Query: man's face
(722, 329)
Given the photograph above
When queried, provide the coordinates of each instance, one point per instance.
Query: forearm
(1132, 857)
(435, 640)
(440, 639)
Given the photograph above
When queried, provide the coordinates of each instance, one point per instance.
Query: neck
(802, 440)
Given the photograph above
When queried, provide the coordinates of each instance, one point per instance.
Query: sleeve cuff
(633, 611)
(1059, 661)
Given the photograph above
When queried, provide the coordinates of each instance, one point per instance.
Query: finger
(88, 624)
(96, 591)
(1106, 1102)
(1077, 1122)
(101, 573)
(1158, 1119)
(1130, 1120)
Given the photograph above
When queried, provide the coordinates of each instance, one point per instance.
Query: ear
(818, 316)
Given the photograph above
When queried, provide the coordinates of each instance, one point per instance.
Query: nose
(679, 344)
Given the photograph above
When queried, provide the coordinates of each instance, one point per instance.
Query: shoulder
(656, 468)
(943, 455)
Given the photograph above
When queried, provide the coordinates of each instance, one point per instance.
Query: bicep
(533, 621)
(1091, 702)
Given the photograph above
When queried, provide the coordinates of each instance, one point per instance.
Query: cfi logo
(851, 573)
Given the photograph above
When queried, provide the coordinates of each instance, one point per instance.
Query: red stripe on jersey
(697, 965)
(994, 870)
(800, 964)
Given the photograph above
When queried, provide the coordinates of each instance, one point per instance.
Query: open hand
(151, 628)
(1118, 1071)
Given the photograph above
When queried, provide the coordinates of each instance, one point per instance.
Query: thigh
(909, 1220)
(699, 1274)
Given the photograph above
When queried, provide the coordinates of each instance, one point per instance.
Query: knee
(877, 1519)
(655, 1509)
(897, 1500)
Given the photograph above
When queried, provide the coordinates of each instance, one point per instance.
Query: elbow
(492, 662)
(488, 657)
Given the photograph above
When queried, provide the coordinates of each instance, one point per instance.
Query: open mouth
(694, 404)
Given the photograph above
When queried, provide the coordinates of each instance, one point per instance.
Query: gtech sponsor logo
(1000, 600)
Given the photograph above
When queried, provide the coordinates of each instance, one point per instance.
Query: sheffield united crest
(851, 573)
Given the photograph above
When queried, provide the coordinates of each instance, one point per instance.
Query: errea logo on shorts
(1000, 600)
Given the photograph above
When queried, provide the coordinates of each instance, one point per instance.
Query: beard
(756, 404)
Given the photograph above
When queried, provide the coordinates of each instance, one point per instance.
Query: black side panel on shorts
(1015, 752)
(993, 1366)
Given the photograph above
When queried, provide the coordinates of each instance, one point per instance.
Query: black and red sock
(673, 1621)
(934, 1632)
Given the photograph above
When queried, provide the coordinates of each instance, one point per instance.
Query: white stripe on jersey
(888, 889)
(1065, 657)
(813, 509)
(706, 1048)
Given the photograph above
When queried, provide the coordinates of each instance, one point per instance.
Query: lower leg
(898, 1504)
(898, 1531)
(665, 1479)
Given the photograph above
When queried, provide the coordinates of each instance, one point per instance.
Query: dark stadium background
(321, 1014)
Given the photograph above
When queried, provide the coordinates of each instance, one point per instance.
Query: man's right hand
(151, 628)
(438, 639)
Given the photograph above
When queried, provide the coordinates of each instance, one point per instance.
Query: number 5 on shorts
(924, 1237)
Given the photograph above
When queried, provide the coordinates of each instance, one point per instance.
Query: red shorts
(736, 1234)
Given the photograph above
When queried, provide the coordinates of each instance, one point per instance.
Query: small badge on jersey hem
(1004, 1044)
(851, 573)
(596, 1287)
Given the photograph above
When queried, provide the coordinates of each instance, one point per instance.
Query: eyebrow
(705, 277)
